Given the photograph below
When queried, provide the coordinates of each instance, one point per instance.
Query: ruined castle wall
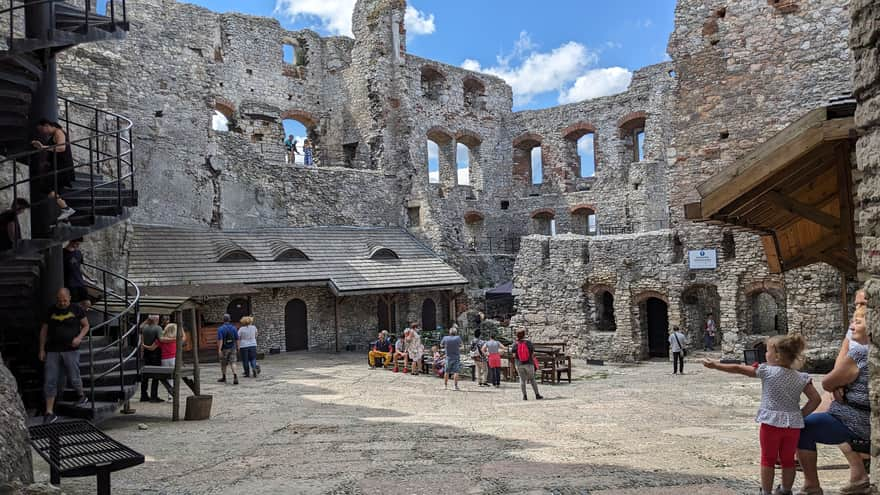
(865, 44)
(15, 452)
(745, 71)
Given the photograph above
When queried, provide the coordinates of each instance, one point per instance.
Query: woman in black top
(54, 170)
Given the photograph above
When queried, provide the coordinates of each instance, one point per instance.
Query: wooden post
(451, 308)
(194, 322)
(336, 319)
(175, 405)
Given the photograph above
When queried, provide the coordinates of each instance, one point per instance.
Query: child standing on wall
(780, 416)
(307, 152)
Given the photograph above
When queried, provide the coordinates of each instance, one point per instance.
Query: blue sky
(564, 51)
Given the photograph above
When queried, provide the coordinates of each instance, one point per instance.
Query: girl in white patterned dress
(780, 414)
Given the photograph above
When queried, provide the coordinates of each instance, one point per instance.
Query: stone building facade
(738, 74)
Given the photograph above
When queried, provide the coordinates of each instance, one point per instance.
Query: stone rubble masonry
(15, 451)
(737, 76)
(864, 41)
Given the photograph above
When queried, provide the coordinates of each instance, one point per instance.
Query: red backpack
(522, 351)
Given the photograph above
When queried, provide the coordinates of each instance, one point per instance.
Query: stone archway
(652, 309)
(697, 302)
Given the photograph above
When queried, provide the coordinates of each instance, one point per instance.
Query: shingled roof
(339, 257)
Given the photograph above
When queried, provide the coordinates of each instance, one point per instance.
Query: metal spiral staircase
(101, 192)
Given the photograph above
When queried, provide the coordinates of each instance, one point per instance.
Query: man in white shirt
(678, 346)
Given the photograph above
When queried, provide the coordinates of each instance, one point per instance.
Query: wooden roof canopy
(795, 190)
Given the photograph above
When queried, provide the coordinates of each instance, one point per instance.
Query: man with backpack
(526, 364)
(227, 348)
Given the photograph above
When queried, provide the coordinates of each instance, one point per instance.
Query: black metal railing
(613, 229)
(494, 245)
(127, 343)
(117, 20)
(105, 147)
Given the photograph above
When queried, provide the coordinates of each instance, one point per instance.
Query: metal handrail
(117, 152)
(130, 313)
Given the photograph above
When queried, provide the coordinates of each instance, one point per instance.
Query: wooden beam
(844, 187)
(197, 380)
(772, 252)
(693, 211)
(178, 360)
(809, 254)
(803, 210)
(789, 145)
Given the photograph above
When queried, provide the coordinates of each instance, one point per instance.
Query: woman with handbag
(677, 343)
(492, 349)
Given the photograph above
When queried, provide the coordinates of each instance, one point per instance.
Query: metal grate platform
(77, 448)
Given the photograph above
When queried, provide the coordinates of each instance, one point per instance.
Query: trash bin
(198, 407)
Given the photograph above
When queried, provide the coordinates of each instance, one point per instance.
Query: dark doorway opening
(238, 308)
(429, 315)
(296, 325)
(386, 315)
(657, 319)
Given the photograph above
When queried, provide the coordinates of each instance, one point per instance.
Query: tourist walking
(290, 145)
(452, 345)
(492, 349)
(709, 334)
(677, 344)
(526, 364)
(10, 228)
(307, 152)
(73, 275)
(150, 333)
(61, 334)
(54, 167)
(227, 348)
(248, 344)
(381, 349)
(780, 414)
(415, 349)
(848, 417)
(479, 357)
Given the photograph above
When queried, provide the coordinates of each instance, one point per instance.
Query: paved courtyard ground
(326, 424)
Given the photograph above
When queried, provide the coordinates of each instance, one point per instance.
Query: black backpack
(228, 339)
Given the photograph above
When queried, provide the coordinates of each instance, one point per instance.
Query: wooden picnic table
(552, 362)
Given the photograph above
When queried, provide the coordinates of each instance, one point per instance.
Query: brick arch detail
(471, 81)
(526, 138)
(430, 70)
(773, 287)
(301, 116)
(596, 289)
(577, 209)
(543, 212)
(647, 294)
(224, 106)
(578, 130)
(439, 135)
(630, 120)
(472, 217)
(468, 138)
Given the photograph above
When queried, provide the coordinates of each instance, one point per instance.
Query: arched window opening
(238, 308)
(766, 317)
(293, 57)
(474, 230)
(527, 162)
(288, 53)
(474, 94)
(537, 166)
(300, 139)
(433, 84)
(605, 320)
(292, 254)
(433, 162)
(463, 162)
(295, 135)
(583, 220)
(383, 254)
(632, 133)
(542, 222)
(219, 122)
(236, 256)
(586, 149)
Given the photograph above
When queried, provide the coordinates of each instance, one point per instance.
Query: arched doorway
(238, 308)
(429, 314)
(698, 302)
(655, 322)
(386, 315)
(296, 325)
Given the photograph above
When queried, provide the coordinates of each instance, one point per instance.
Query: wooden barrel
(198, 407)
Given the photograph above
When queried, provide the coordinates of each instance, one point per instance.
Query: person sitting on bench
(400, 351)
(381, 348)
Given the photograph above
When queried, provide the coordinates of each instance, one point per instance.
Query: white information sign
(703, 259)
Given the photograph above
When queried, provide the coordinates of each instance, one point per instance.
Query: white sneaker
(66, 213)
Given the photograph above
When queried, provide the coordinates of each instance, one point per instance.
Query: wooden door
(429, 315)
(296, 325)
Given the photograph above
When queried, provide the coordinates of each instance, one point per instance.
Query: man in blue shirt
(227, 348)
(452, 343)
(381, 349)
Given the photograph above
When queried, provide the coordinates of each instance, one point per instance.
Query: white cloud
(434, 177)
(539, 72)
(596, 83)
(219, 122)
(643, 23)
(433, 151)
(335, 15)
(470, 64)
(464, 176)
(585, 145)
(418, 23)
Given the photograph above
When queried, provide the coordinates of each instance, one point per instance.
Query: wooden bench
(76, 448)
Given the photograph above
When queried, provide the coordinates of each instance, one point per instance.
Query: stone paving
(324, 423)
